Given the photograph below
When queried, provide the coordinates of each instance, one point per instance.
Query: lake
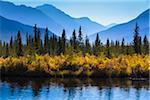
(72, 89)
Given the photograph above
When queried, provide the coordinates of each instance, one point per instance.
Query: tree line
(54, 45)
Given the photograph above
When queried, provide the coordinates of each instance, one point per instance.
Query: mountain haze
(126, 30)
(69, 23)
(20, 17)
(28, 15)
(10, 28)
(48, 16)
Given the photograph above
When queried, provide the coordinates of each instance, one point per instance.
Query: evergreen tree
(117, 43)
(97, 45)
(108, 49)
(80, 39)
(140, 45)
(11, 45)
(39, 42)
(97, 41)
(87, 45)
(59, 51)
(53, 41)
(123, 46)
(11, 42)
(117, 48)
(145, 45)
(7, 50)
(137, 40)
(71, 42)
(46, 41)
(19, 51)
(127, 49)
(63, 42)
(74, 40)
(1, 48)
(112, 43)
(35, 29)
(30, 45)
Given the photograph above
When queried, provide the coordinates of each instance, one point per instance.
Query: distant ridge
(10, 28)
(69, 23)
(29, 16)
(48, 16)
(126, 29)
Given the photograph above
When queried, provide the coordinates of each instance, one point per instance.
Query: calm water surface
(73, 89)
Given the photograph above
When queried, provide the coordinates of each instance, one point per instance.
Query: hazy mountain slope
(70, 23)
(28, 16)
(10, 28)
(111, 25)
(126, 29)
(48, 16)
(89, 26)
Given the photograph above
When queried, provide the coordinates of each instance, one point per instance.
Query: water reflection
(72, 89)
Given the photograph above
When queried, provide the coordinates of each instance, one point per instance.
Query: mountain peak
(84, 18)
(70, 23)
(47, 6)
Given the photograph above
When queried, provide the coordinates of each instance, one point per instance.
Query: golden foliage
(124, 64)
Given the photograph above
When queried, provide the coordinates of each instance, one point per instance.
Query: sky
(104, 12)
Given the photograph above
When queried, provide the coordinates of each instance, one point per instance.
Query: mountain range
(48, 16)
(20, 17)
(10, 28)
(69, 23)
(126, 30)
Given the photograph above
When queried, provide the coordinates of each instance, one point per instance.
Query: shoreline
(27, 75)
(143, 79)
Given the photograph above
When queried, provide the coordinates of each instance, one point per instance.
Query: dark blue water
(73, 89)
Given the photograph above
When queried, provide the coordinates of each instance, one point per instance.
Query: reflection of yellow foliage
(88, 63)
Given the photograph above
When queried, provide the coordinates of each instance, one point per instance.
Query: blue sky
(102, 11)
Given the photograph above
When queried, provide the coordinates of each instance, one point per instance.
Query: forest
(75, 57)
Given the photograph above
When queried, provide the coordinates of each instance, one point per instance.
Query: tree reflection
(73, 87)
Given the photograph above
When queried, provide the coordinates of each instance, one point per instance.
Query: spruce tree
(11, 45)
(123, 46)
(137, 40)
(74, 40)
(80, 39)
(39, 43)
(46, 41)
(19, 51)
(63, 42)
(97, 41)
(97, 45)
(127, 49)
(140, 45)
(112, 43)
(108, 49)
(145, 45)
(7, 50)
(35, 29)
(53, 44)
(59, 51)
(11, 42)
(87, 45)
(30, 45)
(1, 48)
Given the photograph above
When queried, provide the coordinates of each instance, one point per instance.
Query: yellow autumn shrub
(88, 63)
